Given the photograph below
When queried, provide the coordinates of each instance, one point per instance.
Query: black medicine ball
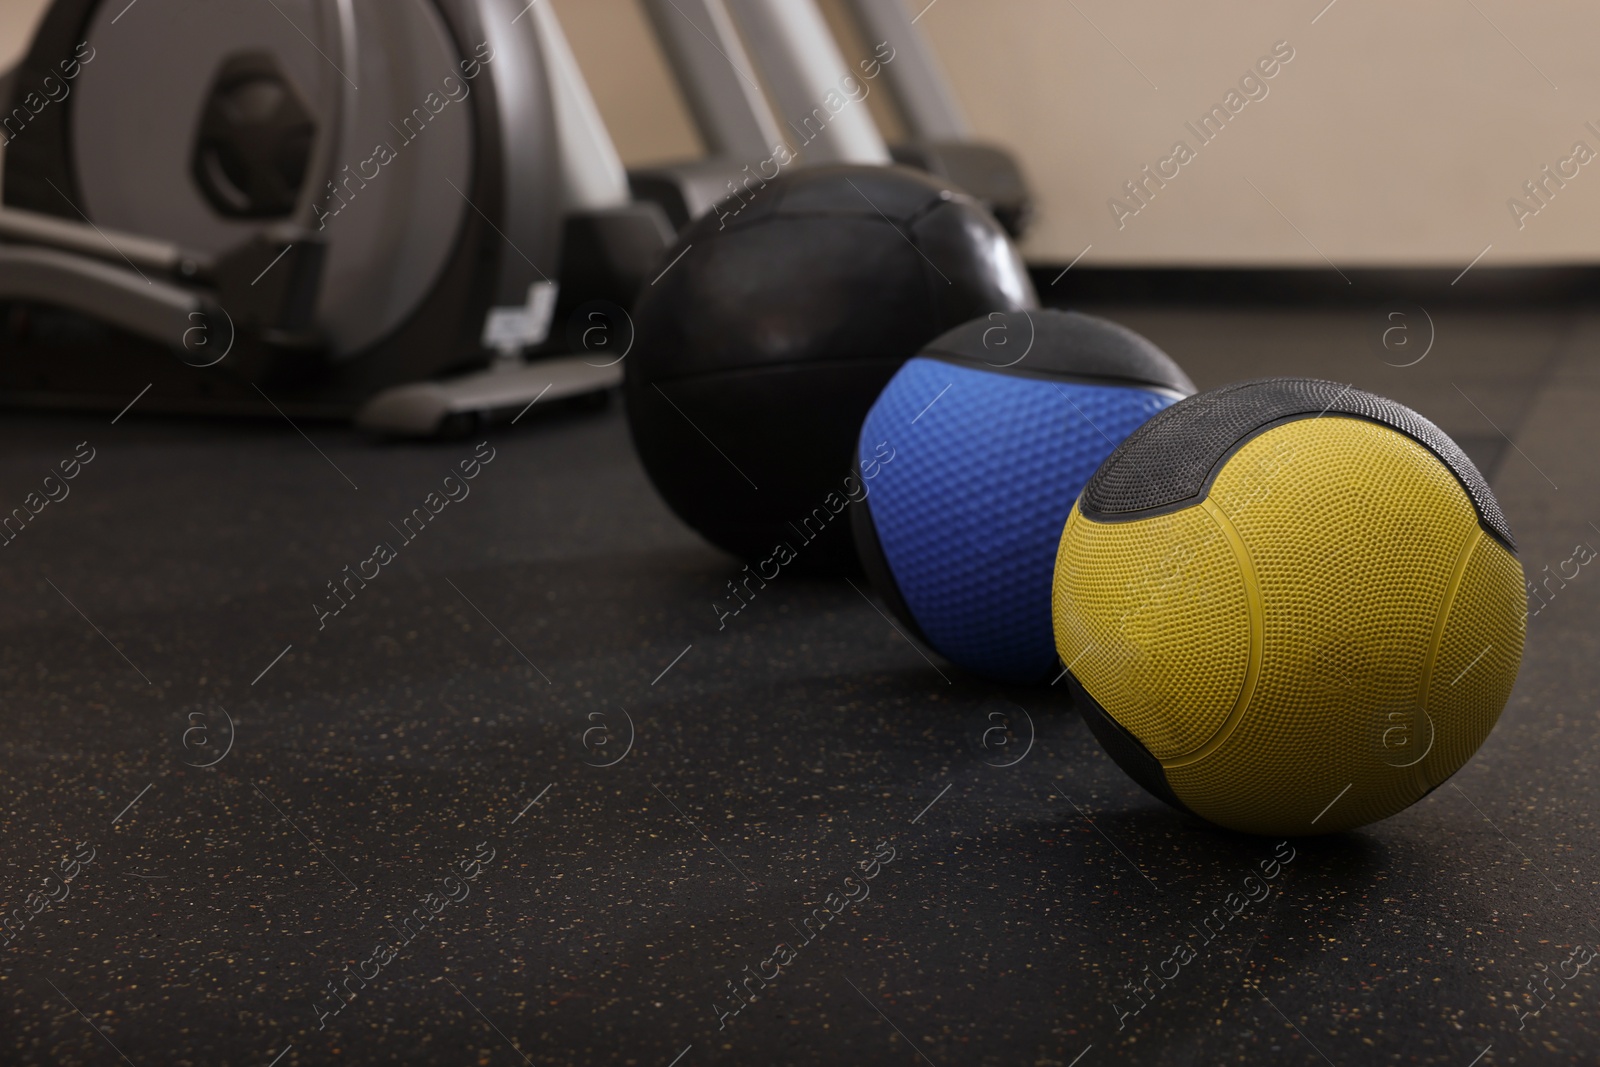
(782, 314)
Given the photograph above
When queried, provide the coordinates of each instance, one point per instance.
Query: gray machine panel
(376, 75)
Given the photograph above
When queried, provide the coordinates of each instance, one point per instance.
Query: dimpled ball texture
(773, 324)
(1289, 607)
(971, 459)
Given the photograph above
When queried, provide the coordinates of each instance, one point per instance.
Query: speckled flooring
(527, 804)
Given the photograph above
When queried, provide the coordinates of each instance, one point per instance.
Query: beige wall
(16, 26)
(1395, 135)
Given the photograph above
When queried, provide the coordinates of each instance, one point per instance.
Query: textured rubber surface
(1060, 345)
(1125, 750)
(774, 323)
(1479, 650)
(1157, 618)
(1347, 567)
(1169, 462)
(778, 736)
(969, 514)
(869, 550)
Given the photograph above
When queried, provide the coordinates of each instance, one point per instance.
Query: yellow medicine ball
(1288, 606)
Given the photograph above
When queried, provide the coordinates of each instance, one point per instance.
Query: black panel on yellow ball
(1173, 459)
(1289, 606)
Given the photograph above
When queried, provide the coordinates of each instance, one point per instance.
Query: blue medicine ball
(990, 433)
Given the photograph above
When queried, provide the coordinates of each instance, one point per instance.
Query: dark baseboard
(1492, 286)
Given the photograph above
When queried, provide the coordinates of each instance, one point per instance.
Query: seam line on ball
(1108, 380)
(1446, 602)
(1430, 662)
(848, 361)
(1256, 613)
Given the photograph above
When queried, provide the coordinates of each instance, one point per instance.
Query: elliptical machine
(721, 51)
(317, 202)
(380, 211)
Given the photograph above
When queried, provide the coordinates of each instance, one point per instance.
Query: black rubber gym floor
(521, 800)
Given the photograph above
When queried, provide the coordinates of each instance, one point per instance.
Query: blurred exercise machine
(729, 108)
(940, 141)
(792, 50)
(391, 212)
(609, 243)
(326, 202)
